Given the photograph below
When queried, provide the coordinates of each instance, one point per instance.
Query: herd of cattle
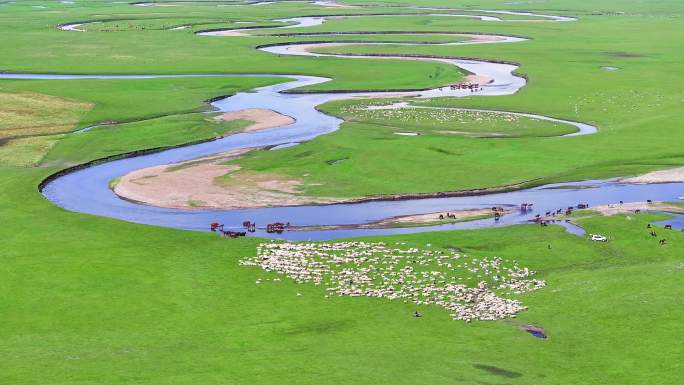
(464, 86)
(543, 220)
(249, 226)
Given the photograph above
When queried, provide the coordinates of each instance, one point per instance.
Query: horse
(276, 227)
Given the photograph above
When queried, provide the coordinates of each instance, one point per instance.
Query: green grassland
(366, 147)
(96, 300)
(160, 112)
(124, 100)
(90, 300)
(158, 51)
(111, 140)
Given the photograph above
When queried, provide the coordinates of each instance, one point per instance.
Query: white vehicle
(598, 238)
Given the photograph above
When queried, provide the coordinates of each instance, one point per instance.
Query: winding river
(86, 190)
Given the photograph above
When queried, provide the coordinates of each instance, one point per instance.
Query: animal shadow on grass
(624, 54)
(497, 371)
(322, 327)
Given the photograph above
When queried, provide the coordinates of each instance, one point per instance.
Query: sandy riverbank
(631, 207)
(672, 175)
(263, 118)
(427, 219)
(211, 183)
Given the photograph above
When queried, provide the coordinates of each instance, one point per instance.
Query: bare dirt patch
(263, 119)
(210, 183)
(672, 175)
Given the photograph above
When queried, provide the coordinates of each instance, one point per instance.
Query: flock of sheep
(469, 288)
(437, 117)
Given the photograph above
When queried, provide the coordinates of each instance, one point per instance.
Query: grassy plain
(89, 300)
(124, 100)
(118, 302)
(161, 51)
(565, 64)
(159, 111)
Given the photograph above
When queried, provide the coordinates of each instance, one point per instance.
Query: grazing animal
(277, 227)
(233, 234)
(249, 225)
